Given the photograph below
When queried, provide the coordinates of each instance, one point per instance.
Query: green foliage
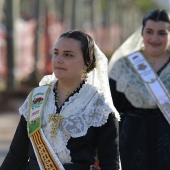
(145, 5)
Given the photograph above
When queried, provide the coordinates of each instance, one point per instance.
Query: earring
(84, 76)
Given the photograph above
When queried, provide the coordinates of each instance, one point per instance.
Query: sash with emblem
(152, 82)
(45, 155)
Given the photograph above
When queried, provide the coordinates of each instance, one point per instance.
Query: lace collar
(86, 108)
(58, 108)
(129, 83)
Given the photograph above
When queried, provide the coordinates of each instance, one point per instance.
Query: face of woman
(67, 60)
(156, 35)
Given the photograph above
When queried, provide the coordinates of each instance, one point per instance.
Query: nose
(155, 38)
(59, 59)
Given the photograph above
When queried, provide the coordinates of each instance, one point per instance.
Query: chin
(57, 76)
(155, 54)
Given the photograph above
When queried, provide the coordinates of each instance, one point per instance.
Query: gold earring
(84, 76)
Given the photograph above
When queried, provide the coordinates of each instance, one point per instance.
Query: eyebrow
(153, 30)
(67, 51)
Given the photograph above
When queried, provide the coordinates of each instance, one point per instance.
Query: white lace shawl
(129, 83)
(84, 109)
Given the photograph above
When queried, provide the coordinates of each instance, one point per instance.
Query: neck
(158, 61)
(65, 90)
(68, 87)
(166, 54)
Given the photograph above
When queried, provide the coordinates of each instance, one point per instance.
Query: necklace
(57, 98)
(57, 118)
(57, 121)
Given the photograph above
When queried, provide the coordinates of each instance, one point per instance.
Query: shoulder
(119, 67)
(37, 92)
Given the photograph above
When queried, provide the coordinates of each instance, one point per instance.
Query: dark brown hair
(156, 15)
(87, 47)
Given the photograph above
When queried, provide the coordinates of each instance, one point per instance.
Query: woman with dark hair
(70, 117)
(139, 75)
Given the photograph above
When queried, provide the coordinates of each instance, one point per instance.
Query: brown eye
(162, 33)
(68, 55)
(149, 32)
(56, 52)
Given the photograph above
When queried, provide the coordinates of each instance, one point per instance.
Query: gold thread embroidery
(44, 156)
(57, 120)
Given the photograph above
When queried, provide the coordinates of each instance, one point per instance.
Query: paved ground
(8, 124)
(9, 118)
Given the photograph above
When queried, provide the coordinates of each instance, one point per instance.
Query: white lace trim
(129, 83)
(98, 78)
(84, 109)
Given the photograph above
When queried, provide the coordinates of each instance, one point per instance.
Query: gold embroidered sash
(46, 157)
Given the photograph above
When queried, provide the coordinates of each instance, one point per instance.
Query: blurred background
(29, 29)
